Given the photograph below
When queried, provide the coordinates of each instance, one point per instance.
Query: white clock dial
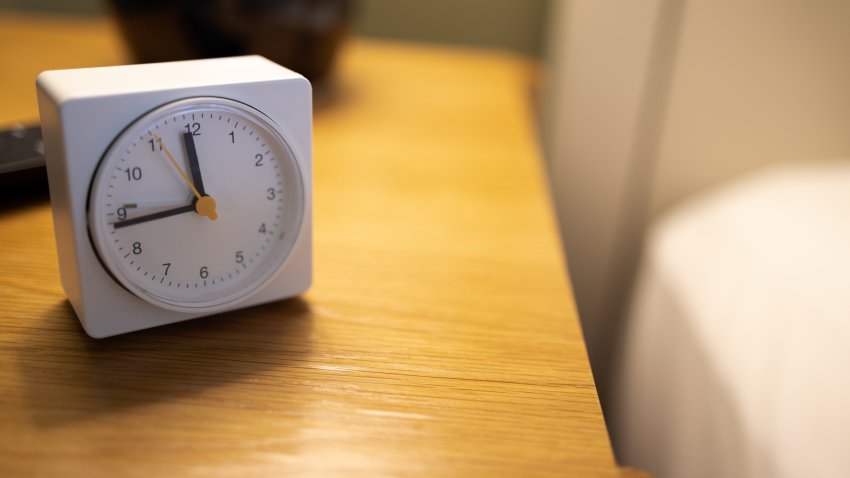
(197, 204)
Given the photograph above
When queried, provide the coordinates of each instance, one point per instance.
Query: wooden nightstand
(440, 337)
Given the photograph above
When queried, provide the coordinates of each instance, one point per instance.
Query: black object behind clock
(21, 161)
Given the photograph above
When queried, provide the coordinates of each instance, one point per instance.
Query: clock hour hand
(194, 167)
(154, 216)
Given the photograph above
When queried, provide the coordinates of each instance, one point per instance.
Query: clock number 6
(204, 272)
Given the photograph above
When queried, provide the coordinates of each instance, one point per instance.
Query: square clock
(179, 189)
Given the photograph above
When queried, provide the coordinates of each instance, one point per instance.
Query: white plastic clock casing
(83, 110)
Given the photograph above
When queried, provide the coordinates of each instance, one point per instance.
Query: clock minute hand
(194, 167)
(154, 216)
(204, 205)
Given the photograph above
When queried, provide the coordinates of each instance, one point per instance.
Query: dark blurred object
(303, 35)
(21, 161)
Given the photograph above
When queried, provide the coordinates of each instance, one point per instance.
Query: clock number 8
(137, 248)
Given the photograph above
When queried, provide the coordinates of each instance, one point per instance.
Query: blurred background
(694, 149)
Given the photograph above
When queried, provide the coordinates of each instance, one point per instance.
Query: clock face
(196, 204)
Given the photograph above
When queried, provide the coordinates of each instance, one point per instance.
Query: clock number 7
(167, 266)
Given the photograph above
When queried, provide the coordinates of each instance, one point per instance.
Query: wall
(513, 25)
(648, 103)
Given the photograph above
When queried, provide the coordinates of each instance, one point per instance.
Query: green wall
(514, 25)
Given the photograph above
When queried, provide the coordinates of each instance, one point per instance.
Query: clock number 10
(134, 173)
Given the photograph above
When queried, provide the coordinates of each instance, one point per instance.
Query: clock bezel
(269, 271)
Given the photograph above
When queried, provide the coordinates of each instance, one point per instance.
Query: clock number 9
(122, 213)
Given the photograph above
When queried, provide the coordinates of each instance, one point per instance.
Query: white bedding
(736, 357)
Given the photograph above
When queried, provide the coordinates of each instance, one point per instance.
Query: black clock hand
(194, 167)
(154, 216)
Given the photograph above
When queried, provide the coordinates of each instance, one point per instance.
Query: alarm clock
(179, 190)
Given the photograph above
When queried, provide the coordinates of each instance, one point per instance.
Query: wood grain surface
(440, 337)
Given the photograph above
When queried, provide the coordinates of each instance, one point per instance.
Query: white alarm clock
(178, 189)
